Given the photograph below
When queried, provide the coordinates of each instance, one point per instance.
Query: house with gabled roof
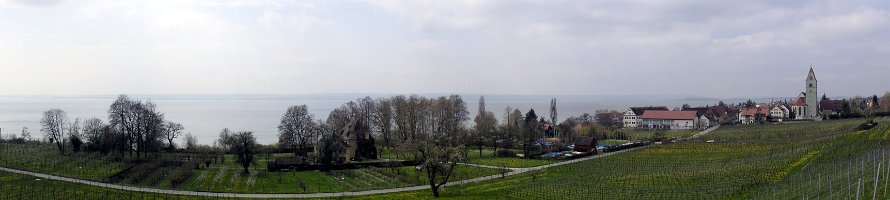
(779, 112)
(754, 114)
(662, 119)
(632, 115)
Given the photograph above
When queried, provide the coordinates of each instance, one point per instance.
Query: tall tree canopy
(296, 129)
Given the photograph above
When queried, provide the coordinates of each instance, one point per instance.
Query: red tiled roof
(800, 102)
(663, 114)
(640, 110)
(762, 110)
(833, 105)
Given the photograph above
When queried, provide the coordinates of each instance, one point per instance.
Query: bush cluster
(505, 153)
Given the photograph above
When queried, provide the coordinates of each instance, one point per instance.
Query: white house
(632, 115)
(662, 119)
(704, 122)
(779, 112)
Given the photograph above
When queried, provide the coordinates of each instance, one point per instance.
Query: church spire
(812, 74)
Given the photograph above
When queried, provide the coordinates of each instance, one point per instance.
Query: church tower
(812, 95)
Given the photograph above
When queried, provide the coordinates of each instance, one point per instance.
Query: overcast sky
(704, 48)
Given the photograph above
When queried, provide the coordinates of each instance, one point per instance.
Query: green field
(487, 158)
(640, 134)
(45, 159)
(783, 161)
(227, 176)
(786, 161)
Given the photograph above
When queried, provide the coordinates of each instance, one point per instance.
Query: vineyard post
(809, 184)
(819, 186)
(886, 176)
(858, 187)
(877, 175)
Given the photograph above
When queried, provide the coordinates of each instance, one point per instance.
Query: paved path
(706, 131)
(487, 166)
(515, 171)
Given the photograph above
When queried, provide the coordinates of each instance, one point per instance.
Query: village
(807, 106)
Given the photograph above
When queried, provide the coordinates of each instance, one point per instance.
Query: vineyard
(261, 181)
(45, 159)
(830, 159)
(171, 172)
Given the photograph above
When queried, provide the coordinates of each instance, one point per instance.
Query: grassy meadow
(830, 159)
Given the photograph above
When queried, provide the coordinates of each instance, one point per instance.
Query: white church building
(806, 105)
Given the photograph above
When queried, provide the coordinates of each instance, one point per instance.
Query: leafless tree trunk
(172, 130)
(295, 129)
(191, 142)
(55, 122)
(383, 120)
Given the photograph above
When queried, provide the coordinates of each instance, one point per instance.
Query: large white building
(663, 119)
(632, 115)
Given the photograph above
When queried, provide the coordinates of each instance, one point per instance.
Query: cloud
(815, 31)
(178, 20)
(36, 3)
(567, 46)
(272, 19)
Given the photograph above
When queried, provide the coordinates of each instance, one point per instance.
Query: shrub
(505, 153)
(182, 173)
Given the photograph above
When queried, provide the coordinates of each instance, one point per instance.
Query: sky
(703, 48)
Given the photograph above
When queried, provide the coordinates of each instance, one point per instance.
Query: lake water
(205, 115)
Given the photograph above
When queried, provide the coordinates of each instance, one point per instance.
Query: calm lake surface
(205, 115)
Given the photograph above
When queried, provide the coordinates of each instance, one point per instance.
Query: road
(706, 131)
(515, 171)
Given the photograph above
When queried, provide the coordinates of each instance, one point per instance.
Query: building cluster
(806, 106)
(660, 117)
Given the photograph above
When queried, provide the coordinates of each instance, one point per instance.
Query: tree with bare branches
(243, 145)
(295, 129)
(171, 131)
(55, 124)
(383, 120)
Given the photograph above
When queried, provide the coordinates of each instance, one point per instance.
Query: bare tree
(26, 135)
(55, 122)
(243, 145)
(139, 123)
(529, 133)
(885, 102)
(191, 142)
(330, 146)
(486, 125)
(383, 120)
(338, 117)
(295, 130)
(74, 135)
(512, 124)
(171, 131)
(122, 119)
(438, 159)
(366, 109)
(92, 130)
(224, 140)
